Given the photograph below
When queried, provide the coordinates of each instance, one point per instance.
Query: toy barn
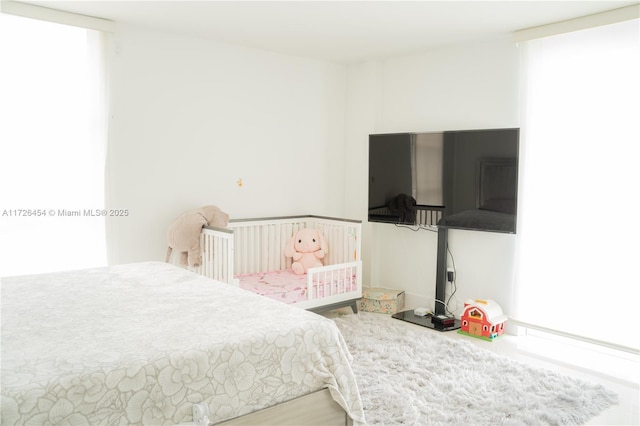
(482, 319)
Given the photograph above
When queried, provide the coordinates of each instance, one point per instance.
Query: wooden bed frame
(249, 246)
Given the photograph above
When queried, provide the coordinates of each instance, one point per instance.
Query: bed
(249, 253)
(142, 343)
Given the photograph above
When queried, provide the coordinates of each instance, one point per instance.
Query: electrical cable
(454, 287)
(417, 227)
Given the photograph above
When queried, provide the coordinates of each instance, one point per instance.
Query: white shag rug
(415, 376)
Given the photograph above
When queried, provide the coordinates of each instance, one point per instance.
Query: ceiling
(339, 31)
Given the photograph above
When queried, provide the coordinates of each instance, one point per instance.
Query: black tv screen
(464, 179)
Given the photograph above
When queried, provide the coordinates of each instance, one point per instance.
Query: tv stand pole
(441, 292)
(441, 272)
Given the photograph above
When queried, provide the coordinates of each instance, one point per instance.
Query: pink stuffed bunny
(307, 248)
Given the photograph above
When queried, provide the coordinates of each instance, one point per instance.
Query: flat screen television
(465, 179)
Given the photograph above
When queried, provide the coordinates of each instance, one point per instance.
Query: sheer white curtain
(578, 229)
(52, 146)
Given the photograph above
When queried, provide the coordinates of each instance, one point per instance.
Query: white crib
(250, 253)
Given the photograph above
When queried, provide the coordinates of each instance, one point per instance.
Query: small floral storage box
(381, 300)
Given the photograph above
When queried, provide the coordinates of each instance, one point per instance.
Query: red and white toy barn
(482, 319)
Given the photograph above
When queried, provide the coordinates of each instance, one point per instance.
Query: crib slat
(268, 246)
(254, 247)
(237, 261)
(215, 247)
(278, 244)
(247, 247)
(286, 233)
(241, 244)
(251, 246)
(263, 261)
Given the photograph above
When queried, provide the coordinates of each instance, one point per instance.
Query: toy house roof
(492, 311)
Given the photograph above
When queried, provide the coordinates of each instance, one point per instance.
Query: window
(53, 146)
(577, 231)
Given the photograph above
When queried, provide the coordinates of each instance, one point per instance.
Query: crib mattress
(288, 287)
(140, 343)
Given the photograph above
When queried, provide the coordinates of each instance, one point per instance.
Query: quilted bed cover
(141, 343)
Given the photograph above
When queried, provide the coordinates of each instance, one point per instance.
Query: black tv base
(425, 321)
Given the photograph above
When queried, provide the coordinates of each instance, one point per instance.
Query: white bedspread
(140, 343)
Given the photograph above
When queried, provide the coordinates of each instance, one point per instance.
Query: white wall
(364, 107)
(191, 117)
(467, 87)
